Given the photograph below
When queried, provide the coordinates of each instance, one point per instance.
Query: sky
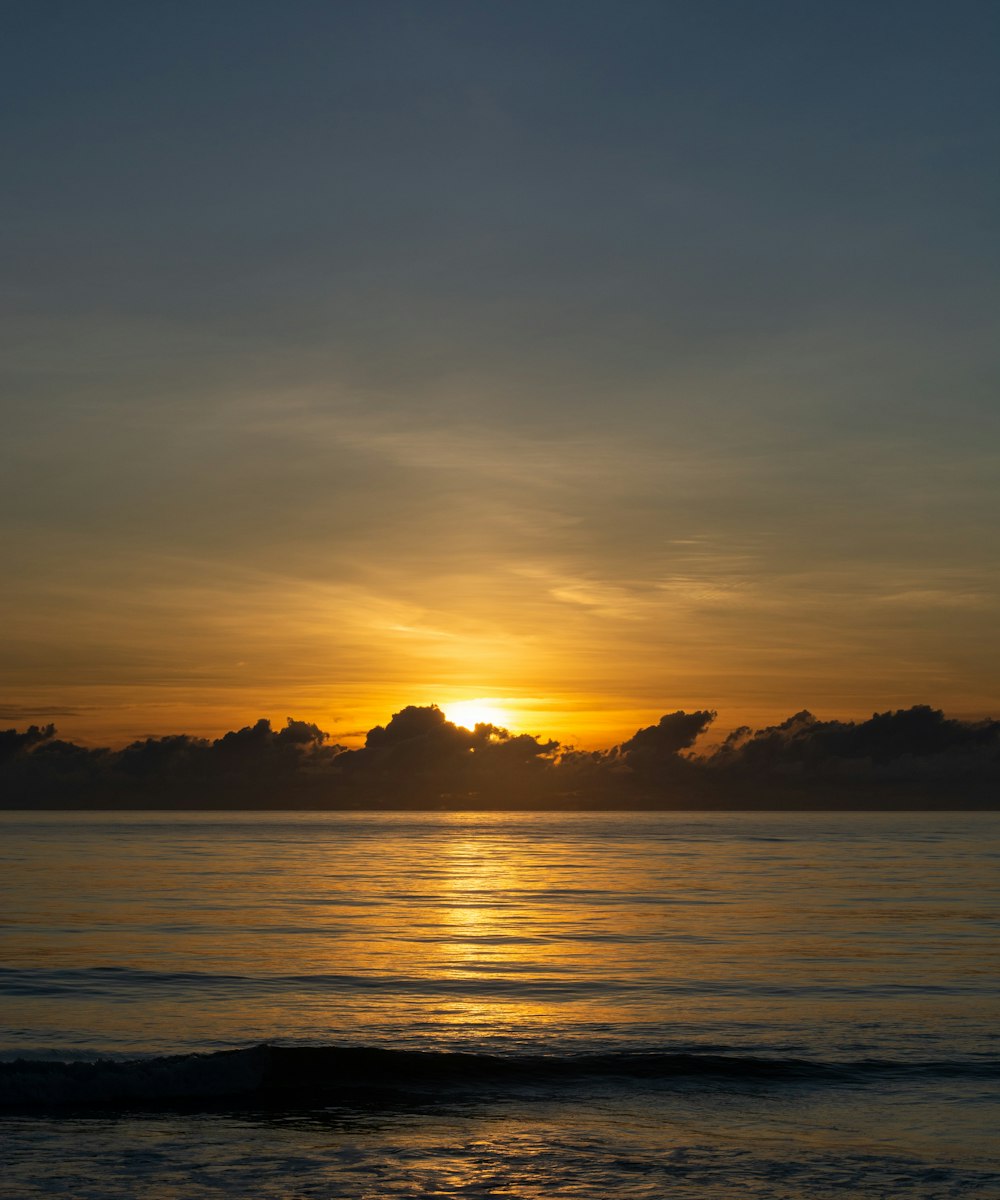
(585, 361)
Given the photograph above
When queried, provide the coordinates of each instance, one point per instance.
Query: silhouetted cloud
(660, 745)
(917, 748)
(12, 742)
(420, 753)
(914, 757)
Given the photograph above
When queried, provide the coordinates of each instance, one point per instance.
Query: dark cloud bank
(913, 758)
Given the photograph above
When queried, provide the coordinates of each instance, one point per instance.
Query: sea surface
(500, 1005)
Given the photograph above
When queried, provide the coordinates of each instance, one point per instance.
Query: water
(585, 1005)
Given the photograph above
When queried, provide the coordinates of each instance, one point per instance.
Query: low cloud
(936, 757)
(910, 758)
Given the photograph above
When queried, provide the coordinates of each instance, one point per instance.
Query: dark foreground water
(634, 1005)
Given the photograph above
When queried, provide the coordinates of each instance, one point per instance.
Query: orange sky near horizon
(584, 663)
(586, 599)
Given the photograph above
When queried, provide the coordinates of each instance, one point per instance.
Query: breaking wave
(269, 1076)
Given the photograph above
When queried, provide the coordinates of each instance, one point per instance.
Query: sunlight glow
(470, 713)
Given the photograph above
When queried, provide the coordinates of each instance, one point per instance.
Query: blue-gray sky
(593, 358)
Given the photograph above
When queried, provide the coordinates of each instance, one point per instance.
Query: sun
(470, 713)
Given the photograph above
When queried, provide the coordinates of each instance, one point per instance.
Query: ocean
(532, 1005)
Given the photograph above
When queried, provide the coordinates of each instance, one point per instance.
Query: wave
(288, 1077)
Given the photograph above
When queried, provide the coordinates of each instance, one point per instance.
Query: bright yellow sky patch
(470, 713)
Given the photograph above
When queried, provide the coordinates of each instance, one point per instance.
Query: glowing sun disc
(470, 713)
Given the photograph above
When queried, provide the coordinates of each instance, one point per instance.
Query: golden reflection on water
(489, 913)
(447, 927)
